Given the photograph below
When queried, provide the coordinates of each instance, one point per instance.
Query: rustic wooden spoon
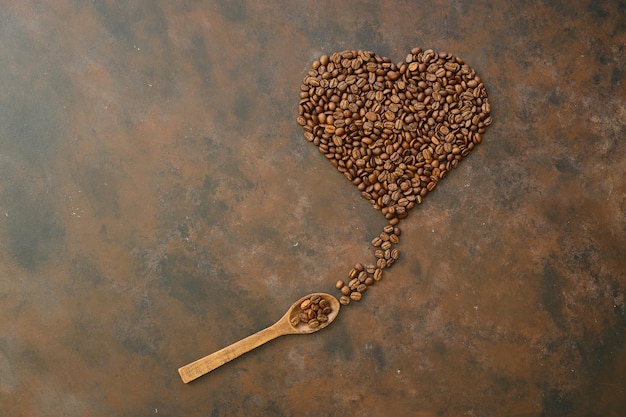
(281, 327)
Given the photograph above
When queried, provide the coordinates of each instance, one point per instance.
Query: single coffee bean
(378, 274)
(386, 245)
(339, 284)
(345, 290)
(354, 283)
(344, 300)
(313, 323)
(369, 281)
(355, 296)
(361, 288)
(305, 304)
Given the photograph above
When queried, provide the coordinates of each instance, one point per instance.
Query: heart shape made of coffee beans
(393, 130)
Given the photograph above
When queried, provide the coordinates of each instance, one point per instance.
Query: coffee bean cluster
(393, 130)
(314, 311)
(361, 277)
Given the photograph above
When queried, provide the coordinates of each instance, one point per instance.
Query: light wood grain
(282, 327)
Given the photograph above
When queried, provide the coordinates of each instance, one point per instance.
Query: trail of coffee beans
(394, 131)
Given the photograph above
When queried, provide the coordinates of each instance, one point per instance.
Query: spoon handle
(210, 362)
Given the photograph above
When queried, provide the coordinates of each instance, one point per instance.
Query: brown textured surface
(158, 202)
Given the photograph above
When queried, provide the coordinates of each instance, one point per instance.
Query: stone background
(158, 202)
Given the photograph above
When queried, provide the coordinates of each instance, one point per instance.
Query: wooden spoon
(281, 327)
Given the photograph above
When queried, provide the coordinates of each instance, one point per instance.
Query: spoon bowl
(304, 328)
(282, 327)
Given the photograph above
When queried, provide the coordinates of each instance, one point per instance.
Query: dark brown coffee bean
(361, 288)
(345, 290)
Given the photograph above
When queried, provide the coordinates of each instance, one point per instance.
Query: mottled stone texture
(158, 201)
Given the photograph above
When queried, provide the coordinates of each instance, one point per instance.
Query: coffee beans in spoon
(393, 130)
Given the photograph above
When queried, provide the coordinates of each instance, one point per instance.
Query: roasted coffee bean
(353, 283)
(361, 288)
(339, 284)
(313, 323)
(344, 300)
(305, 304)
(355, 296)
(378, 274)
(386, 245)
